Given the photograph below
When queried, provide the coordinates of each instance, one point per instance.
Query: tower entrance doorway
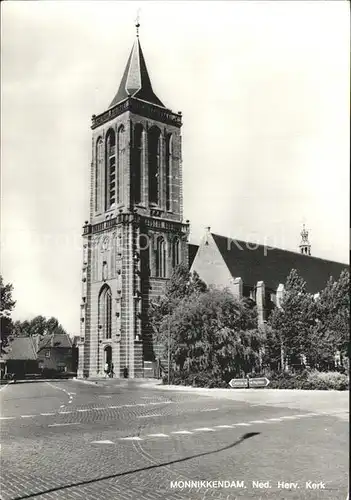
(108, 359)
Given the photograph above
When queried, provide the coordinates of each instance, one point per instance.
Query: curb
(84, 381)
(5, 385)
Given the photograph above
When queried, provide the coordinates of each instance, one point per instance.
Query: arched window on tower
(154, 164)
(105, 312)
(121, 161)
(175, 252)
(137, 166)
(168, 172)
(99, 159)
(160, 258)
(110, 170)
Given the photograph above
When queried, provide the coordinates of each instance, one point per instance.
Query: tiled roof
(192, 249)
(253, 263)
(135, 80)
(22, 348)
(54, 340)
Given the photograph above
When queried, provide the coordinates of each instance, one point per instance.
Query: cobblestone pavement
(118, 440)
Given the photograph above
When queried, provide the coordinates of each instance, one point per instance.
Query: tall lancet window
(160, 258)
(105, 312)
(99, 161)
(110, 171)
(137, 167)
(168, 172)
(154, 164)
(121, 161)
(175, 252)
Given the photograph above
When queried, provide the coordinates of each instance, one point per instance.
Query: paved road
(127, 440)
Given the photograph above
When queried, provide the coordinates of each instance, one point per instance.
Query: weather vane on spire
(137, 23)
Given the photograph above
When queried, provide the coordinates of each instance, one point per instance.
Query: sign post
(237, 383)
(246, 383)
(258, 382)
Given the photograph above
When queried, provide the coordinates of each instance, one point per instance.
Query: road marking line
(112, 407)
(103, 442)
(60, 425)
(274, 419)
(149, 416)
(64, 412)
(27, 416)
(47, 414)
(181, 432)
(224, 426)
(158, 435)
(242, 424)
(161, 403)
(98, 409)
(257, 421)
(210, 409)
(204, 429)
(84, 409)
(291, 417)
(131, 438)
(7, 418)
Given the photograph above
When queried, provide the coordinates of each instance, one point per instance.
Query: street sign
(238, 382)
(258, 382)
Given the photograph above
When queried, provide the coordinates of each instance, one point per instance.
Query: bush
(202, 379)
(327, 381)
(314, 380)
(308, 380)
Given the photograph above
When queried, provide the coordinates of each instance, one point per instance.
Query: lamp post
(169, 351)
(98, 349)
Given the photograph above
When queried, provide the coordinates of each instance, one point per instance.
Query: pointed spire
(135, 80)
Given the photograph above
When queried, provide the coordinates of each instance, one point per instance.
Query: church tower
(135, 235)
(305, 246)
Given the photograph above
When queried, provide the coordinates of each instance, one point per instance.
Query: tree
(216, 333)
(209, 331)
(181, 284)
(39, 325)
(6, 306)
(331, 332)
(290, 328)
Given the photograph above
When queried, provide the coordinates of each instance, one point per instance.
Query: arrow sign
(258, 382)
(238, 382)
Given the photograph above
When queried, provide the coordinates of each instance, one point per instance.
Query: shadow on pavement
(149, 467)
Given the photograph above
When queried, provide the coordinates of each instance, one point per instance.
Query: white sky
(264, 92)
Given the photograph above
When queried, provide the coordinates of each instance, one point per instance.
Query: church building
(136, 234)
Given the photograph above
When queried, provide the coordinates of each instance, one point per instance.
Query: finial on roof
(137, 23)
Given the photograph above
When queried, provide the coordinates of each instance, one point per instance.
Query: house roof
(22, 348)
(54, 340)
(135, 80)
(253, 263)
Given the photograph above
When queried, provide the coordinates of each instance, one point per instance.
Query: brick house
(39, 354)
(21, 357)
(54, 353)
